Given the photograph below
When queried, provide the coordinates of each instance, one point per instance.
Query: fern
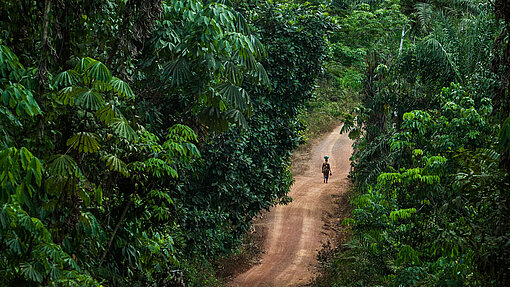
(157, 167)
(180, 132)
(402, 213)
(407, 255)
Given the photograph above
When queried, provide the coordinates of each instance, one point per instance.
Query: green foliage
(139, 138)
(207, 49)
(246, 171)
(427, 155)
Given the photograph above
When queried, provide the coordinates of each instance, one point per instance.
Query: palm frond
(66, 78)
(108, 113)
(84, 142)
(65, 96)
(122, 88)
(177, 72)
(82, 65)
(122, 128)
(98, 71)
(116, 164)
(89, 99)
(425, 14)
(261, 75)
(232, 73)
(435, 48)
(62, 165)
(234, 96)
(236, 117)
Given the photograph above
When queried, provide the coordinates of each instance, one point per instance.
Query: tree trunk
(42, 69)
(402, 40)
(128, 203)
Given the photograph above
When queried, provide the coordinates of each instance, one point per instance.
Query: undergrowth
(331, 102)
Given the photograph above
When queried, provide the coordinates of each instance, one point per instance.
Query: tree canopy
(140, 138)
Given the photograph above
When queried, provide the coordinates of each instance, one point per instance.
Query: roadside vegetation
(431, 159)
(140, 138)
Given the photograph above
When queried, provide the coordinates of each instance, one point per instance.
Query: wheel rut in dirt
(294, 232)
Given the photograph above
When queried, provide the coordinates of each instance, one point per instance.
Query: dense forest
(139, 138)
(431, 205)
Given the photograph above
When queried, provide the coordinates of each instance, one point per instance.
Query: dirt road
(295, 232)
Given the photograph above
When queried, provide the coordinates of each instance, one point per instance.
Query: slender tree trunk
(42, 71)
(402, 40)
(128, 203)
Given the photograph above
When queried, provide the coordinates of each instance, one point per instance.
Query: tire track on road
(295, 231)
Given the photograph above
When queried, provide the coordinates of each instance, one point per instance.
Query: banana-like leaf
(98, 71)
(84, 142)
(66, 78)
(116, 164)
(62, 165)
(90, 99)
(122, 88)
(122, 128)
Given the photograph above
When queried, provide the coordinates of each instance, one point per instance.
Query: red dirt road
(295, 232)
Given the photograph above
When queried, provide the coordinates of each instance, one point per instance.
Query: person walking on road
(326, 169)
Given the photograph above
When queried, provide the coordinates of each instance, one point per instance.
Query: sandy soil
(296, 232)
